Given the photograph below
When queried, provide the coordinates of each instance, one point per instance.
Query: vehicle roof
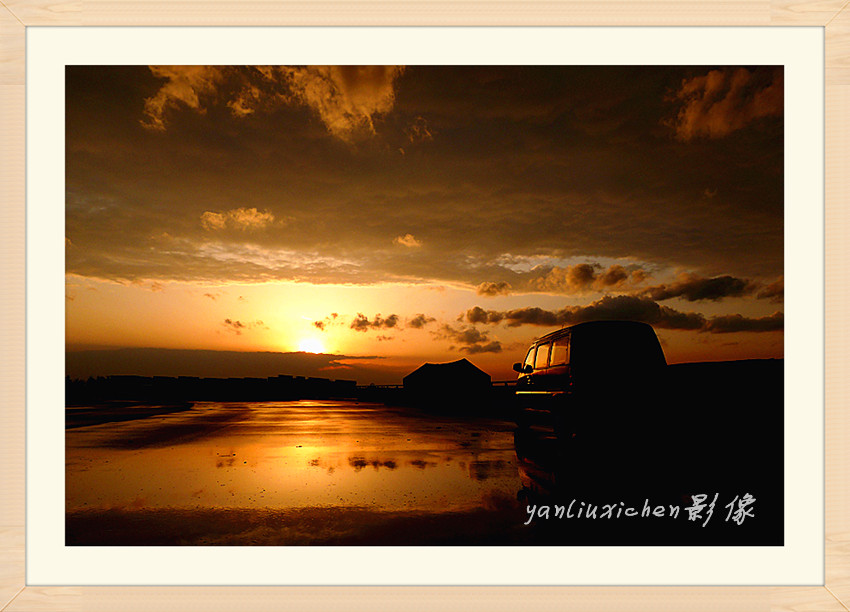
(607, 325)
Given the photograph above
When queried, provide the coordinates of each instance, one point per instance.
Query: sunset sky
(370, 219)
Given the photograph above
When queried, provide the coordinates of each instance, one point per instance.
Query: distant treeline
(136, 390)
(192, 388)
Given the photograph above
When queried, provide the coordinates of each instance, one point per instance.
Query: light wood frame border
(16, 15)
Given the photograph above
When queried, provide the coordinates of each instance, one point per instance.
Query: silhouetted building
(451, 383)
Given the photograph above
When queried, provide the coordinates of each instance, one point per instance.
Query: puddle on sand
(291, 455)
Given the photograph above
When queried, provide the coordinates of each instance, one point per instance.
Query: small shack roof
(462, 368)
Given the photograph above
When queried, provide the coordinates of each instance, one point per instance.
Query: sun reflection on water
(290, 455)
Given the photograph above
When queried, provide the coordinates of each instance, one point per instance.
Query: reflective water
(291, 455)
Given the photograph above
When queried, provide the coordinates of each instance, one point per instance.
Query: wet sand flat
(292, 473)
(347, 473)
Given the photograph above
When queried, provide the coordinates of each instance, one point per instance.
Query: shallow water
(287, 455)
(348, 473)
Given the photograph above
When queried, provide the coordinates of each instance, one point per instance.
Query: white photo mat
(800, 561)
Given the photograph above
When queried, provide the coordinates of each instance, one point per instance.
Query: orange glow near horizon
(273, 318)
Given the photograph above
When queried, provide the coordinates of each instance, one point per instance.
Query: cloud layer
(514, 180)
(627, 308)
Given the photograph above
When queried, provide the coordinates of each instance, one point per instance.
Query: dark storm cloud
(420, 321)
(362, 323)
(722, 101)
(463, 335)
(693, 288)
(266, 174)
(490, 347)
(737, 323)
(626, 308)
(472, 340)
(479, 315)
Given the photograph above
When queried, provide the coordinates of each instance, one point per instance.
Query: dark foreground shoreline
(426, 476)
(500, 521)
(118, 411)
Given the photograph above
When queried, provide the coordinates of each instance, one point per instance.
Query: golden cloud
(240, 218)
(585, 277)
(347, 99)
(184, 86)
(407, 240)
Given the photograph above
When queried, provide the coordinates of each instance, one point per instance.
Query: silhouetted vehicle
(608, 365)
(548, 479)
(599, 411)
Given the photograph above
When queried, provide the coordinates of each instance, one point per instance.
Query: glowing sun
(311, 345)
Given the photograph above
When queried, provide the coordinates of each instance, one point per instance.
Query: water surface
(279, 463)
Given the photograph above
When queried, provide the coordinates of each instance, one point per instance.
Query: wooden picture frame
(16, 16)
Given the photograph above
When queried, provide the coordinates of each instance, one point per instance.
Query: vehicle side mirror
(521, 368)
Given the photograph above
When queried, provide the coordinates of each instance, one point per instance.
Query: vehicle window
(560, 352)
(542, 359)
(529, 359)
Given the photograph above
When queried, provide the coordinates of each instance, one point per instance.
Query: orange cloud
(407, 240)
(241, 218)
(347, 99)
(184, 87)
(493, 289)
(246, 101)
(727, 100)
(585, 277)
